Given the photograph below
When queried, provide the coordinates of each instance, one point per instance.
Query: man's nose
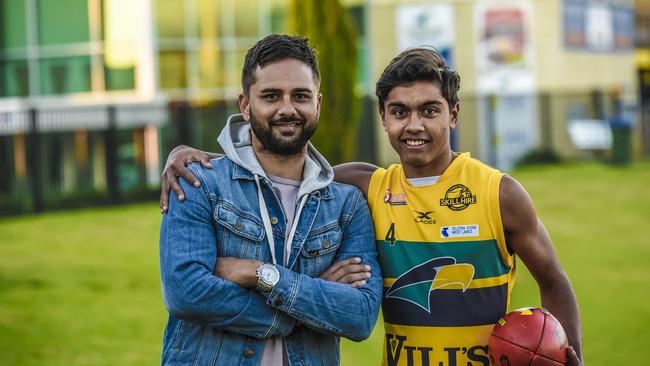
(287, 107)
(414, 123)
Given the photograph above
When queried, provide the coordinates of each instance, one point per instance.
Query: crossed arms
(218, 292)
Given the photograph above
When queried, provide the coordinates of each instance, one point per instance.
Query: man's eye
(302, 97)
(430, 111)
(270, 97)
(399, 113)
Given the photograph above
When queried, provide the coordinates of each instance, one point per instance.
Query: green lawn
(82, 287)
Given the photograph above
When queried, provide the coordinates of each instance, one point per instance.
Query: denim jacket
(215, 322)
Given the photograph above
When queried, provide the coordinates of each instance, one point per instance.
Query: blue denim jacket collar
(239, 172)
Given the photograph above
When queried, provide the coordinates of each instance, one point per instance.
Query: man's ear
(382, 114)
(244, 106)
(455, 112)
(318, 101)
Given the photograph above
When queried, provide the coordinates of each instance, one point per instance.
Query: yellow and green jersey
(447, 271)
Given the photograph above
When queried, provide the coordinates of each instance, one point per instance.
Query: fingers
(168, 183)
(338, 265)
(180, 169)
(204, 160)
(177, 189)
(197, 156)
(164, 197)
(175, 167)
(572, 357)
(348, 271)
(351, 278)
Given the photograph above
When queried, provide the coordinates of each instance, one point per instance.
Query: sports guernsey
(447, 271)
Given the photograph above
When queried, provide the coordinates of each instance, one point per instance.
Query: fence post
(546, 123)
(366, 132)
(181, 120)
(597, 102)
(110, 144)
(645, 129)
(492, 129)
(34, 162)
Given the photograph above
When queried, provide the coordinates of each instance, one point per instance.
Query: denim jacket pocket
(180, 335)
(238, 234)
(319, 250)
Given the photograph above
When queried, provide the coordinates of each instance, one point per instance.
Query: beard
(284, 147)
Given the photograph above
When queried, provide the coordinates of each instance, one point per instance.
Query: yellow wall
(557, 70)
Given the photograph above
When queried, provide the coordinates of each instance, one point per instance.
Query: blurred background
(95, 93)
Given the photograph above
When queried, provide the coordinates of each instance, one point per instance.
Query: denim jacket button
(249, 353)
(278, 301)
(238, 226)
(326, 244)
(274, 220)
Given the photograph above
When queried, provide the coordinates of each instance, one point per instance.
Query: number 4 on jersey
(390, 235)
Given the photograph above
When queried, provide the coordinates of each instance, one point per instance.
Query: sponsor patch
(458, 197)
(458, 231)
(397, 199)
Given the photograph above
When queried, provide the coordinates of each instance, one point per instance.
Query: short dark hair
(273, 48)
(418, 64)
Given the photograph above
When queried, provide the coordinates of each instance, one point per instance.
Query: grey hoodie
(235, 140)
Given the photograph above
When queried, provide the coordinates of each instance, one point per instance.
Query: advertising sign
(598, 25)
(505, 58)
(426, 24)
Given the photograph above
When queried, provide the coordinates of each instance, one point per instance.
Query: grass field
(82, 287)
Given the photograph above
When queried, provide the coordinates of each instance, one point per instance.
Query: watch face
(269, 274)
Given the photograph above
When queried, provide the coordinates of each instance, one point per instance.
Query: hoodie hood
(235, 140)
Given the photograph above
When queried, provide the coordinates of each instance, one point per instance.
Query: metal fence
(70, 157)
(507, 130)
(66, 157)
(76, 156)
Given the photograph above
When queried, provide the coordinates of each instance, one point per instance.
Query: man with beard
(268, 262)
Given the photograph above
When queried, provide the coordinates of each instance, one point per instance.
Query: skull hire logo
(458, 197)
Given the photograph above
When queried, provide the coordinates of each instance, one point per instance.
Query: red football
(528, 337)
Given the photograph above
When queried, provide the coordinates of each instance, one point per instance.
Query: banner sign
(428, 24)
(598, 25)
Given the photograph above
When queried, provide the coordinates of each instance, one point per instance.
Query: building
(94, 93)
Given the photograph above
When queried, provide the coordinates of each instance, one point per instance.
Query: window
(62, 21)
(12, 24)
(170, 18)
(14, 78)
(204, 49)
(65, 75)
(210, 65)
(172, 69)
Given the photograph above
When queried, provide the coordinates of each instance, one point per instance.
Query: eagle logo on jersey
(416, 284)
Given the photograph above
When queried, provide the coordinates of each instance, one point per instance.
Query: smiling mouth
(415, 142)
(286, 123)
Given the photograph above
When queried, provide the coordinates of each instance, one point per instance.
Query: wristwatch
(267, 277)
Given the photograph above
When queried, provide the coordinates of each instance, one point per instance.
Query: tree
(330, 31)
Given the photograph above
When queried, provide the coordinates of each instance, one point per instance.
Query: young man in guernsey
(447, 226)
